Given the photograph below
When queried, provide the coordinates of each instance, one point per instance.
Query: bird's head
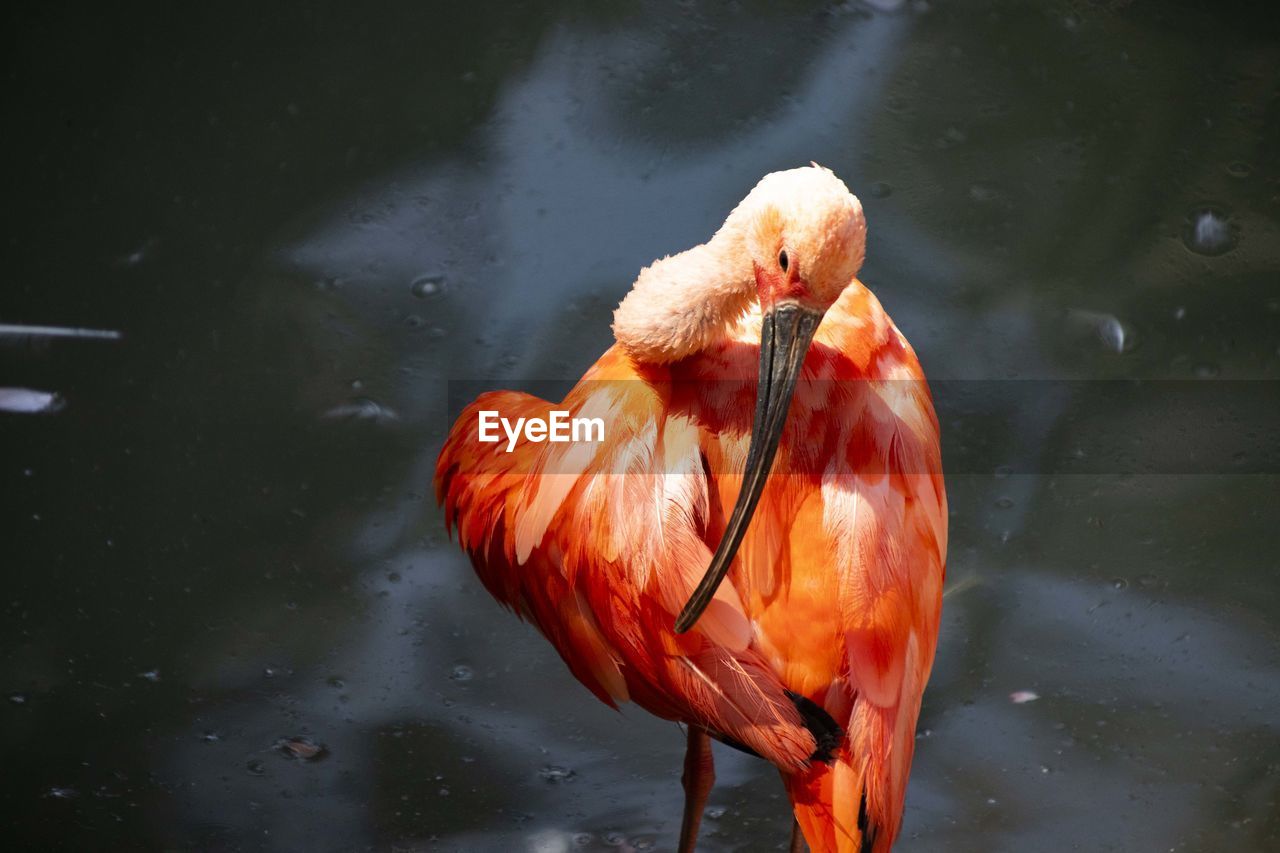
(805, 237)
(793, 244)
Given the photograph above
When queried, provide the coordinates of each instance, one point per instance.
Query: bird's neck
(687, 302)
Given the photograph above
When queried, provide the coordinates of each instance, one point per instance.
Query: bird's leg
(699, 776)
(797, 838)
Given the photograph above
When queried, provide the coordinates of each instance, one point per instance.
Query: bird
(755, 546)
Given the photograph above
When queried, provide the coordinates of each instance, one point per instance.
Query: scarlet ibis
(774, 580)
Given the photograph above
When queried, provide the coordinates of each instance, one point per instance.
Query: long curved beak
(785, 334)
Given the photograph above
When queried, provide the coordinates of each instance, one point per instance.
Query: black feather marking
(826, 732)
(865, 826)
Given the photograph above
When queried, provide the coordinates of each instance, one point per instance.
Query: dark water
(304, 223)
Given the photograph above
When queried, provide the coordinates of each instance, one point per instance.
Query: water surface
(232, 620)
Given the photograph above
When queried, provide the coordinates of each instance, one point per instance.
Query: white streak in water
(362, 409)
(25, 401)
(20, 330)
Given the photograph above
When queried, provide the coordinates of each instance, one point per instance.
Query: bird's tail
(830, 803)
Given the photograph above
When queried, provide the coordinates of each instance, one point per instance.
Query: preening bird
(772, 580)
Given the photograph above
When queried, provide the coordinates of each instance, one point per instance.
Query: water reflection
(237, 502)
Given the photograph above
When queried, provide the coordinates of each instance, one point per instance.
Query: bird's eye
(782, 260)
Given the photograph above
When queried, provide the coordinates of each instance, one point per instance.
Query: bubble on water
(1111, 334)
(301, 748)
(428, 286)
(1119, 583)
(1022, 697)
(18, 698)
(256, 767)
(1239, 169)
(716, 812)
(1004, 503)
(555, 774)
(1105, 328)
(461, 672)
(61, 793)
(1207, 370)
(210, 737)
(1209, 232)
(152, 675)
(583, 839)
(880, 189)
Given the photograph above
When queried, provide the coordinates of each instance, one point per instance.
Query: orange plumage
(836, 590)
